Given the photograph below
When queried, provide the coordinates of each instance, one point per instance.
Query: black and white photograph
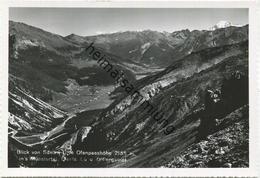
(128, 87)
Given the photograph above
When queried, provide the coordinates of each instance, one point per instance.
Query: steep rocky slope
(228, 147)
(29, 115)
(129, 127)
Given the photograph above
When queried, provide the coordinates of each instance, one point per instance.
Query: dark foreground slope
(185, 107)
(227, 147)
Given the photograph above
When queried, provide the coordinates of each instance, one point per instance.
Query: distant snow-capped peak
(221, 24)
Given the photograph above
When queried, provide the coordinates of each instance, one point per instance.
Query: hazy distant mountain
(161, 49)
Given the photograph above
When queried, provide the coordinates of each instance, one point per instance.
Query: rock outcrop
(228, 147)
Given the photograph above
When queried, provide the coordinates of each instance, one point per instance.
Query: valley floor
(83, 98)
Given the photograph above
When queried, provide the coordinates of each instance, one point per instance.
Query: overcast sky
(92, 21)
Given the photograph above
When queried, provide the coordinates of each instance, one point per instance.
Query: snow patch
(85, 131)
(132, 51)
(25, 43)
(221, 24)
(140, 126)
(18, 122)
(144, 47)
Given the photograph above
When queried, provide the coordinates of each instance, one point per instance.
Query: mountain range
(61, 99)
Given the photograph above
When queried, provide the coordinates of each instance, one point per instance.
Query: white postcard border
(254, 121)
